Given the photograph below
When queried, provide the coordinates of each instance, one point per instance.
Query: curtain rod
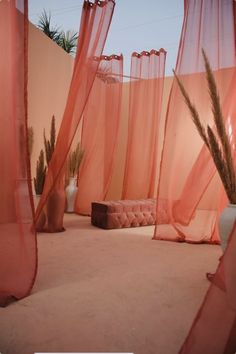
(121, 75)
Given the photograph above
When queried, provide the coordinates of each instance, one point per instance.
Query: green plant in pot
(56, 201)
(218, 144)
(66, 40)
(41, 168)
(74, 162)
(40, 174)
(49, 144)
(38, 186)
(51, 217)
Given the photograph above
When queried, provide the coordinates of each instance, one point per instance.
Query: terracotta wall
(115, 189)
(116, 184)
(50, 70)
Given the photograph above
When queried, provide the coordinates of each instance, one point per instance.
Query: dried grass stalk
(219, 123)
(74, 161)
(218, 144)
(193, 111)
(218, 158)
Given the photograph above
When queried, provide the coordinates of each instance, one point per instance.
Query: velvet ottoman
(123, 213)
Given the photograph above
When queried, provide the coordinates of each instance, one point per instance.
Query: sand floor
(108, 291)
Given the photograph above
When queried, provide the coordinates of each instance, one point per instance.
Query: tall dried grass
(74, 160)
(218, 143)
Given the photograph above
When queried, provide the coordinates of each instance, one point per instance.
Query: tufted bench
(124, 213)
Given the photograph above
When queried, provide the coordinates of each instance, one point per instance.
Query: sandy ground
(108, 291)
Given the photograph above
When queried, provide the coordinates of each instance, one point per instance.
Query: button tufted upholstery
(126, 213)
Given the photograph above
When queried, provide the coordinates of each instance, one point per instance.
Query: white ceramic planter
(226, 223)
(71, 191)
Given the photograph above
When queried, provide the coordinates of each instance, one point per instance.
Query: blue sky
(136, 25)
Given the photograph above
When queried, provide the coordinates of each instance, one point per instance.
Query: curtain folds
(214, 328)
(99, 133)
(189, 190)
(145, 100)
(95, 21)
(18, 249)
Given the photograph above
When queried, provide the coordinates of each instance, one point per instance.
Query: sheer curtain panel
(18, 250)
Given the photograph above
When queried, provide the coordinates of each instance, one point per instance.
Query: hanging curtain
(95, 22)
(189, 190)
(99, 133)
(214, 328)
(18, 250)
(146, 90)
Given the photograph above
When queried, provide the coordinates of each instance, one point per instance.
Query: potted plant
(39, 180)
(41, 168)
(66, 40)
(74, 161)
(54, 208)
(40, 175)
(55, 205)
(49, 144)
(219, 147)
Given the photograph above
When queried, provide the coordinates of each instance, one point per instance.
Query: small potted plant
(41, 168)
(49, 144)
(38, 186)
(74, 161)
(56, 201)
(40, 174)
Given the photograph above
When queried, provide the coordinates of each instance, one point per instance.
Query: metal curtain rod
(122, 75)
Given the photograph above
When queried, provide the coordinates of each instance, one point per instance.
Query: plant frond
(193, 111)
(39, 179)
(218, 159)
(219, 121)
(49, 145)
(74, 160)
(68, 41)
(218, 145)
(44, 24)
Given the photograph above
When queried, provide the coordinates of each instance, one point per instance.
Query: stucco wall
(50, 70)
(115, 189)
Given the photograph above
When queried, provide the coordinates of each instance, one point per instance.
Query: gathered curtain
(214, 328)
(99, 133)
(190, 192)
(95, 21)
(18, 249)
(145, 101)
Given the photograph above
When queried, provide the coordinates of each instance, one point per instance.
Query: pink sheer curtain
(95, 22)
(18, 250)
(189, 190)
(146, 90)
(214, 328)
(99, 133)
